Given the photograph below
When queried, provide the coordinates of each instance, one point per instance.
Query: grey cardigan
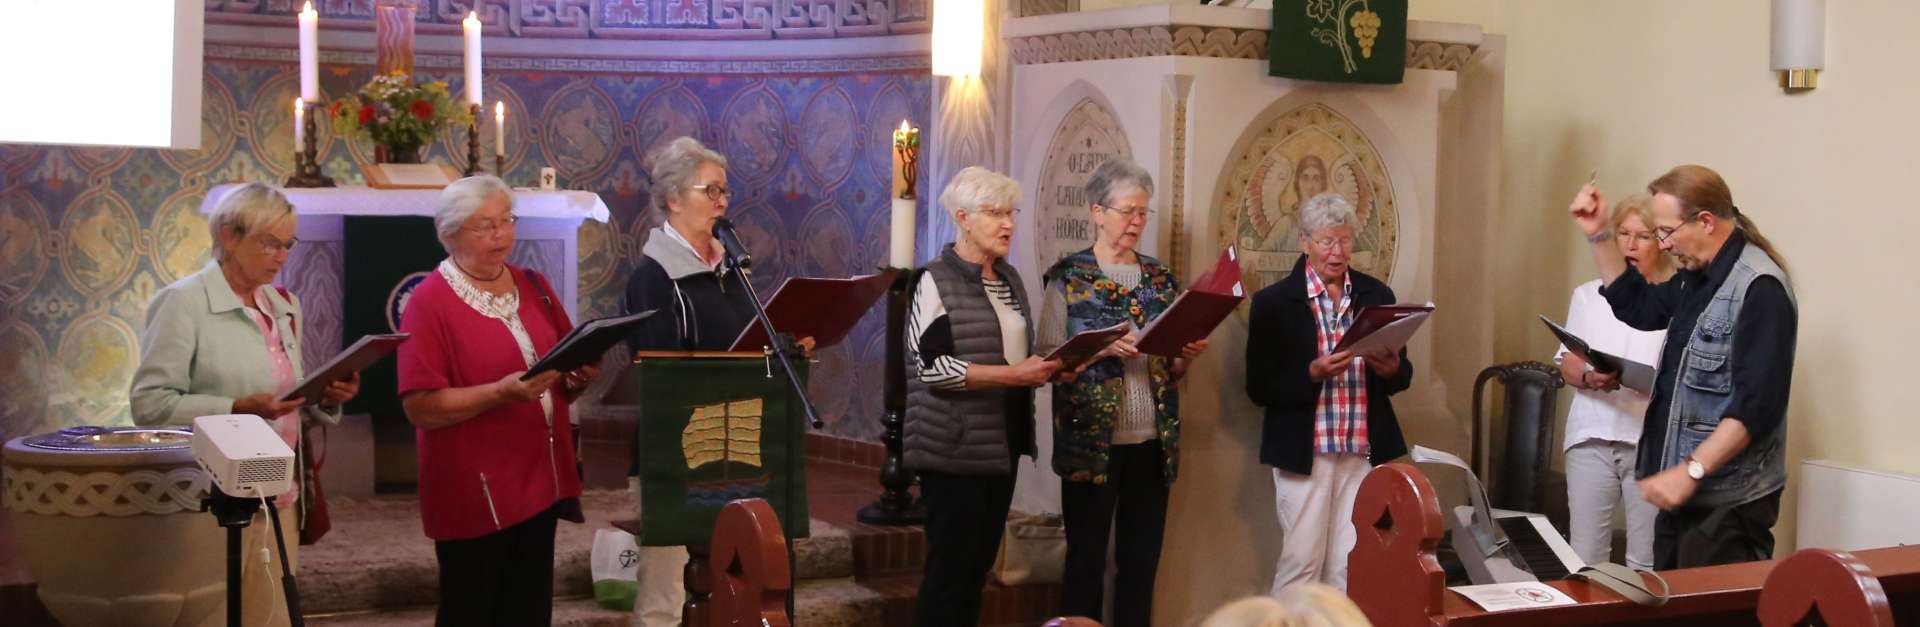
(199, 351)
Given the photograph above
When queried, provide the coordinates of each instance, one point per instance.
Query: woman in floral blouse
(1116, 425)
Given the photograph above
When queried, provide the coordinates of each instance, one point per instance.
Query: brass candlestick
(473, 141)
(306, 158)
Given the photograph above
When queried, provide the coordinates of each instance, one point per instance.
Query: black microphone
(730, 240)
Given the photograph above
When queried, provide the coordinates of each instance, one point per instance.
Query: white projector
(244, 455)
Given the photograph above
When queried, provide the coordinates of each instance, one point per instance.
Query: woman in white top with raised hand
(1604, 422)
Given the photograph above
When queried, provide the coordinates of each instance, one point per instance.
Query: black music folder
(363, 352)
(586, 343)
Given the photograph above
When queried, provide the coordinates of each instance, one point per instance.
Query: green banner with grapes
(1341, 41)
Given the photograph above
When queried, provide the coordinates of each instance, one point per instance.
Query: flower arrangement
(397, 114)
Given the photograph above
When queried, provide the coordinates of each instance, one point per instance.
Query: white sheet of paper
(414, 174)
(1495, 597)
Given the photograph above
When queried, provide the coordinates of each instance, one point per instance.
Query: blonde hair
(1299, 605)
(1641, 205)
(243, 211)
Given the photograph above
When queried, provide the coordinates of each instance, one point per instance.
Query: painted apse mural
(1297, 155)
(88, 234)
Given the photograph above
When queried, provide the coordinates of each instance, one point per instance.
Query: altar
(546, 241)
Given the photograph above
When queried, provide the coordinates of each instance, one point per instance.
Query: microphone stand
(782, 348)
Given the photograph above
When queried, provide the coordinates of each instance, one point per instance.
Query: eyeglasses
(714, 192)
(1345, 243)
(1128, 213)
(273, 244)
(1661, 234)
(486, 228)
(998, 213)
(1641, 237)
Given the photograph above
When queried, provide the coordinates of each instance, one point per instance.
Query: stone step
(376, 556)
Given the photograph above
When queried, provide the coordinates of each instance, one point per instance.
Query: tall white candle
(471, 26)
(310, 54)
(299, 124)
(900, 247)
(500, 128)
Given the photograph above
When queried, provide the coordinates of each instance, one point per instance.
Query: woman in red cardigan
(496, 452)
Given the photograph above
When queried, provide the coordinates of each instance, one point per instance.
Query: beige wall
(1632, 87)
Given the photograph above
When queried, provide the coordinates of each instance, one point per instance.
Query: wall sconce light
(1799, 42)
(958, 28)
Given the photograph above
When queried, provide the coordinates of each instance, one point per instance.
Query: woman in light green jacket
(226, 341)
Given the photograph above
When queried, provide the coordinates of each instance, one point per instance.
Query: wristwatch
(1602, 236)
(1695, 469)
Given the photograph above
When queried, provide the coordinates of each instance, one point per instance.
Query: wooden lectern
(715, 427)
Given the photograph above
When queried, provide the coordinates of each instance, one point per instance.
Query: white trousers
(1599, 478)
(1316, 512)
(662, 579)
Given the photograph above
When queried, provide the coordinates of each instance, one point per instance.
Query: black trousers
(503, 578)
(966, 517)
(1709, 536)
(1132, 505)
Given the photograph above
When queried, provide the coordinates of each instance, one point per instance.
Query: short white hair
(245, 210)
(1325, 211)
(1115, 177)
(974, 187)
(676, 168)
(463, 197)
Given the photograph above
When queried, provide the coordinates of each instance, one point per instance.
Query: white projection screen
(102, 72)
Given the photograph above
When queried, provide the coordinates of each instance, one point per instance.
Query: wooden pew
(1840, 587)
(1395, 577)
(748, 568)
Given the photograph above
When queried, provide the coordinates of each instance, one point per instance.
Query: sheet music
(1490, 536)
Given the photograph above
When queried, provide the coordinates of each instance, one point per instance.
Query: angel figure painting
(1306, 152)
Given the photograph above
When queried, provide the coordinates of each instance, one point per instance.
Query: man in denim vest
(1712, 454)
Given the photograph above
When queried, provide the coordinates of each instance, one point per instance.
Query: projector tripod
(235, 513)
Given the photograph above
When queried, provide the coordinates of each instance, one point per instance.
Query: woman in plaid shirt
(1328, 419)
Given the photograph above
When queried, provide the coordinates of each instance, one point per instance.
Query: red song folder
(819, 308)
(1194, 315)
(1085, 344)
(1394, 324)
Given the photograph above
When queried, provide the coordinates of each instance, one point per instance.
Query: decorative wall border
(612, 19)
(604, 66)
(1220, 42)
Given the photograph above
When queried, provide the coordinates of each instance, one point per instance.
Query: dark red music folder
(1194, 315)
(1085, 344)
(820, 308)
(1374, 318)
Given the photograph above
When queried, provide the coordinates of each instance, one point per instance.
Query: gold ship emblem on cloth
(723, 432)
